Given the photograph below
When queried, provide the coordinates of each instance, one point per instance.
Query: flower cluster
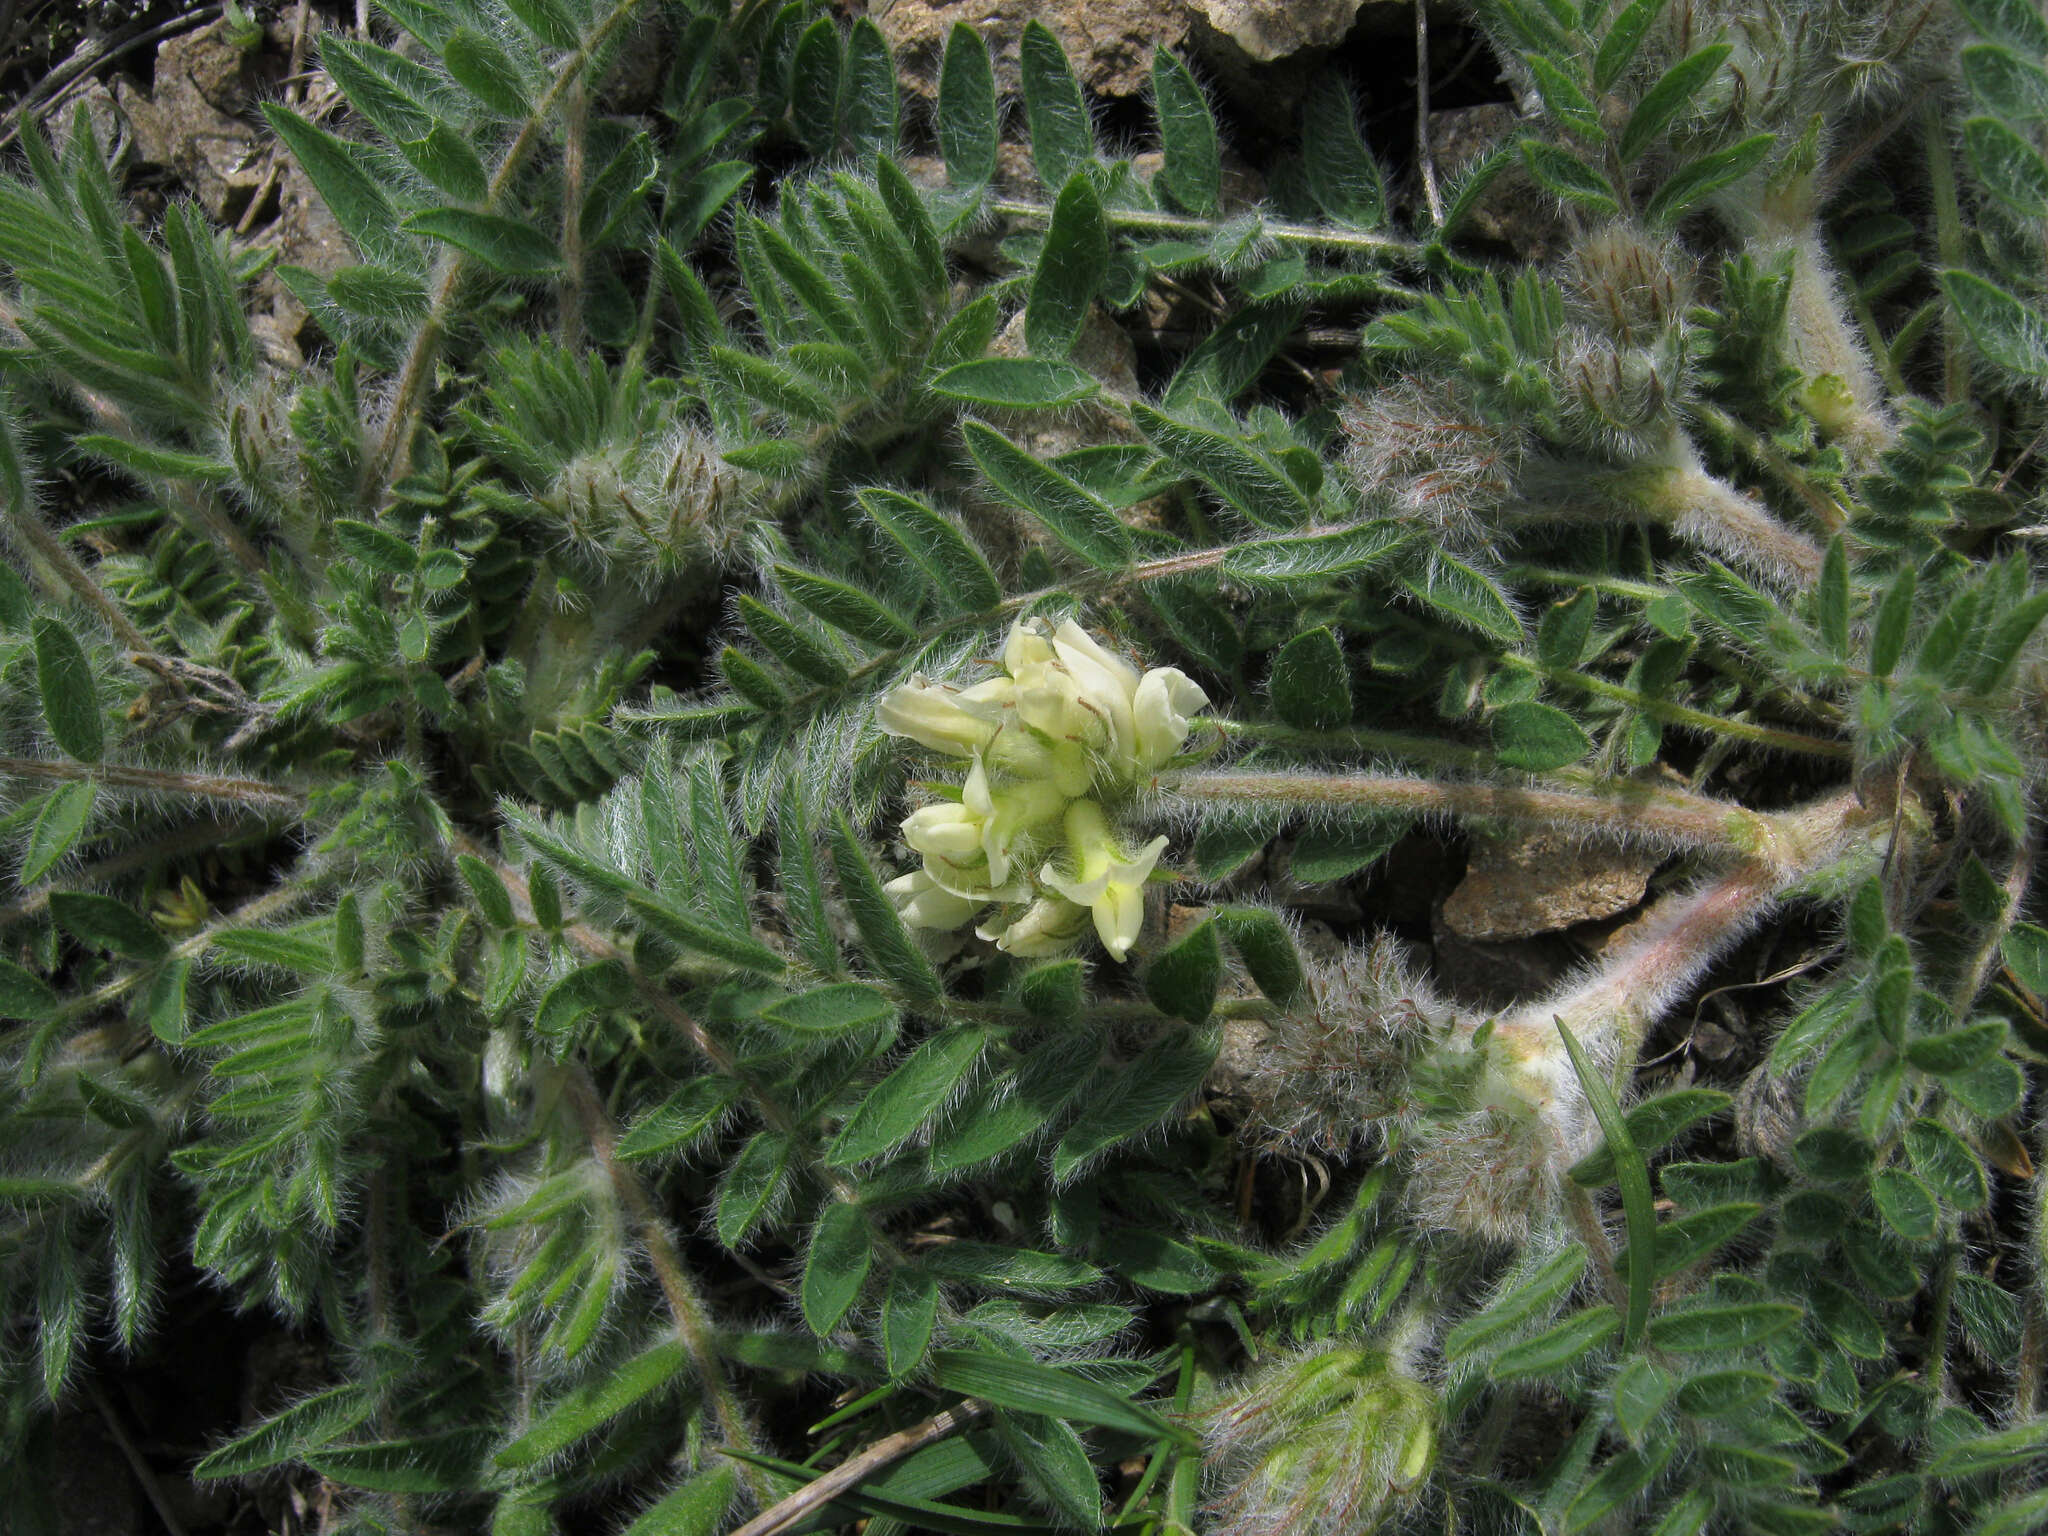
(1063, 728)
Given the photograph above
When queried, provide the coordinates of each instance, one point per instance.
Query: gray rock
(1265, 30)
(192, 121)
(1540, 882)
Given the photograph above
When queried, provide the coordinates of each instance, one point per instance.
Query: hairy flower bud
(1326, 1441)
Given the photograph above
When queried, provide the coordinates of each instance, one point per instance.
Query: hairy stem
(692, 1322)
(1625, 811)
(387, 459)
(161, 781)
(1679, 714)
(1149, 221)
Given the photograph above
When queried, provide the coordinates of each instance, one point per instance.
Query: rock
(1265, 30)
(1542, 881)
(1513, 211)
(192, 121)
(1109, 42)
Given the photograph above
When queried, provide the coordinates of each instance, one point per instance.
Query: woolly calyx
(1322, 1441)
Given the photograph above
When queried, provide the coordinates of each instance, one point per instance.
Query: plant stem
(685, 1307)
(1626, 812)
(1949, 239)
(575, 116)
(160, 781)
(1679, 714)
(388, 455)
(1149, 221)
(1355, 743)
(45, 544)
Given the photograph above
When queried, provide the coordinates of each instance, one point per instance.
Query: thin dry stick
(144, 1473)
(1425, 156)
(814, 1496)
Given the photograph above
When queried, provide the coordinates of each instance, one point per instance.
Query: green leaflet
(1015, 383)
(836, 1267)
(1193, 169)
(70, 697)
(1249, 479)
(1134, 1096)
(1062, 136)
(1077, 519)
(1072, 264)
(1341, 171)
(1032, 1388)
(59, 823)
(588, 1409)
(967, 122)
(907, 1097)
(345, 184)
(504, 245)
(1310, 683)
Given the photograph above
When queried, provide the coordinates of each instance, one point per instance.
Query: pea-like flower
(1066, 728)
(1104, 879)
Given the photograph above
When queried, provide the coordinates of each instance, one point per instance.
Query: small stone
(1540, 882)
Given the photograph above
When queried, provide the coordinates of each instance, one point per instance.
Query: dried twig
(815, 1495)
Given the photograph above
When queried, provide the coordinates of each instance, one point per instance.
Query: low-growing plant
(659, 849)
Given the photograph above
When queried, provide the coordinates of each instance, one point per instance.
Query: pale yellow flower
(923, 903)
(1103, 879)
(1049, 926)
